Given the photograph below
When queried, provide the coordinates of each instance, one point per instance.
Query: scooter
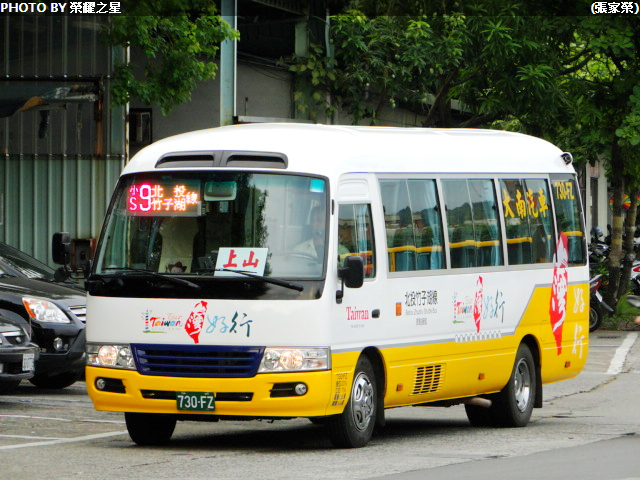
(633, 300)
(597, 305)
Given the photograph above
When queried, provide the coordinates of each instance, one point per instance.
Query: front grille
(80, 312)
(197, 360)
(14, 338)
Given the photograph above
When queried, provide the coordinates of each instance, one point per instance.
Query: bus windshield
(217, 223)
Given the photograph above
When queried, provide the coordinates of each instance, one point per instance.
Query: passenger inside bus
(345, 240)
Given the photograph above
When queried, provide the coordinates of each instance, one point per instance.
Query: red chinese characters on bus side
(559, 289)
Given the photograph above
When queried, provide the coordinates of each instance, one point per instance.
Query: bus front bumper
(263, 396)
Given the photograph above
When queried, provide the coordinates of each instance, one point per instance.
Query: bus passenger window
(398, 219)
(566, 201)
(528, 220)
(413, 223)
(427, 224)
(472, 223)
(543, 238)
(485, 223)
(355, 236)
(516, 221)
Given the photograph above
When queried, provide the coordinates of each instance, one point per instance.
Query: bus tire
(150, 428)
(513, 405)
(353, 427)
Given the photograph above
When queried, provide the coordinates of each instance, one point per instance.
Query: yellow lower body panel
(143, 393)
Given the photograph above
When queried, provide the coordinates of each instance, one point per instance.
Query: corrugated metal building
(62, 145)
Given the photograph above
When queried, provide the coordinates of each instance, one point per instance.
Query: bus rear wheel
(353, 428)
(513, 405)
(150, 428)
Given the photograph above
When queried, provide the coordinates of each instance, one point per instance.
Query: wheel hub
(362, 401)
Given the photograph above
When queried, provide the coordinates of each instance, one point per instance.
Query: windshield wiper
(274, 281)
(168, 278)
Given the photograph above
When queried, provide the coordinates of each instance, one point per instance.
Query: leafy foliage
(179, 40)
(490, 66)
(608, 113)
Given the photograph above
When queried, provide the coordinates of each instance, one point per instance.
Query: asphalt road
(588, 428)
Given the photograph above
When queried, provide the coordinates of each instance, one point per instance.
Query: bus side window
(427, 222)
(462, 246)
(413, 223)
(543, 238)
(486, 223)
(516, 220)
(401, 242)
(355, 236)
(472, 223)
(566, 201)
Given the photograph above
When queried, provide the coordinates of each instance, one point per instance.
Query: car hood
(56, 292)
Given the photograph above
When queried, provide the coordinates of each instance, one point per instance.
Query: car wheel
(353, 427)
(8, 386)
(512, 407)
(150, 428)
(61, 380)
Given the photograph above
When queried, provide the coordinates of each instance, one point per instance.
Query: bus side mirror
(61, 248)
(352, 273)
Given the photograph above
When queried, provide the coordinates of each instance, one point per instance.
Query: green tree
(603, 121)
(178, 39)
(459, 68)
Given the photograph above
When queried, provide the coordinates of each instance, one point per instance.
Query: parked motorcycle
(633, 300)
(597, 305)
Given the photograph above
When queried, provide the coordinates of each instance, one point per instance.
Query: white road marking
(62, 440)
(617, 362)
(88, 420)
(39, 418)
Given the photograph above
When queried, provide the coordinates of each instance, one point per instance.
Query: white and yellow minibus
(285, 270)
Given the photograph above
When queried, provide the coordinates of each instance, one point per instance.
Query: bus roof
(333, 150)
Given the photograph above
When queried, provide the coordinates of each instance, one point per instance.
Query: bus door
(356, 309)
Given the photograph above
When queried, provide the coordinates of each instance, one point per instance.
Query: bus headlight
(294, 360)
(113, 356)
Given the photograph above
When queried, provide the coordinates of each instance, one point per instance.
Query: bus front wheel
(150, 428)
(353, 427)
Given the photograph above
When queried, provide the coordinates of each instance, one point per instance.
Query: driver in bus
(177, 235)
(314, 246)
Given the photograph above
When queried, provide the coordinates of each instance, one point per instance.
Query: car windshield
(215, 224)
(13, 260)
